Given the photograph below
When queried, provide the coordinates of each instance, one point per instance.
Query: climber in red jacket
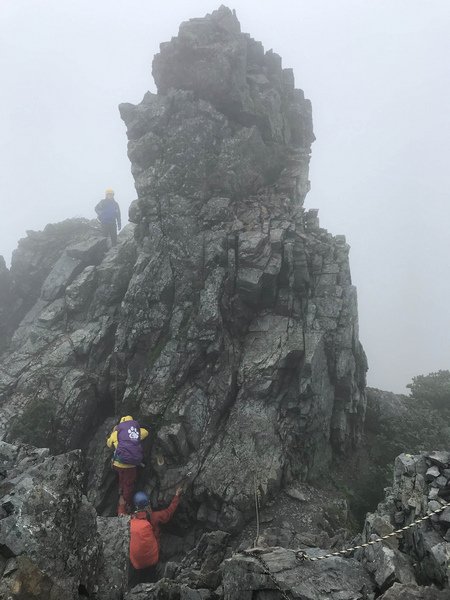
(145, 535)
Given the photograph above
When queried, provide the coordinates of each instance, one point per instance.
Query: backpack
(144, 547)
(129, 449)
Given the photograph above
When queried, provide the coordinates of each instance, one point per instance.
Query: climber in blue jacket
(108, 213)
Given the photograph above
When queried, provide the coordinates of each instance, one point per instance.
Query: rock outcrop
(411, 592)
(394, 423)
(55, 380)
(49, 547)
(422, 554)
(245, 348)
(225, 320)
(337, 579)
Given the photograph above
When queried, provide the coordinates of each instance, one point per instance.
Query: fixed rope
(268, 572)
(257, 507)
(302, 556)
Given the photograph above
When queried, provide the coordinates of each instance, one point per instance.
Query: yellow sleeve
(112, 441)
(144, 433)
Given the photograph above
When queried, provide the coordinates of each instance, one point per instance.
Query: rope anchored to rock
(302, 556)
(267, 571)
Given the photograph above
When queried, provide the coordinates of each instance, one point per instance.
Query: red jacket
(145, 535)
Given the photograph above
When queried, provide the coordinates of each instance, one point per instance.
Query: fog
(378, 75)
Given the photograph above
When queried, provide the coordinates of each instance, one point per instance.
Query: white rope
(301, 555)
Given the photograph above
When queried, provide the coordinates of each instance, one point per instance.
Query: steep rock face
(227, 322)
(31, 263)
(245, 346)
(55, 379)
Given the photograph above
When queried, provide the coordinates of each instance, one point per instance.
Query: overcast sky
(378, 75)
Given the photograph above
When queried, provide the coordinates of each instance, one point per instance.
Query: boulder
(112, 581)
(425, 552)
(332, 579)
(48, 533)
(432, 473)
(439, 458)
(412, 592)
(167, 590)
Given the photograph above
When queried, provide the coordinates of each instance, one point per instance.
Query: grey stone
(407, 464)
(49, 526)
(52, 313)
(296, 494)
(64, 271)
(424, 546)
(81, 289)
(335, 578)
(412, 592)
(8, 454)
(31, 263)
(433, 493)
(112, 579)
(444, 517)
(439, 458)
(434, 505)
(90, 251)
(432, 473)
(440, 481)
(391, 565)
(166, 589)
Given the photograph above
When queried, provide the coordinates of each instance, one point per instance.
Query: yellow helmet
(109, 191)
(127, 418)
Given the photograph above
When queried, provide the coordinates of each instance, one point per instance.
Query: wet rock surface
(48, 539)
(410, 592)
(334, 579)
(112, 579)
(302, 516)
(422, 554)
(247, 346)
(55, 378)
(225, 318)
(225, 321)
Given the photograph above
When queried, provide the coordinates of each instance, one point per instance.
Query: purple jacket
(129, 449)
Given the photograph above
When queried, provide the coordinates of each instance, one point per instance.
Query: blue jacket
(108, 211)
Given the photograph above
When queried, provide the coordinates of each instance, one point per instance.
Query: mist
(378, 76)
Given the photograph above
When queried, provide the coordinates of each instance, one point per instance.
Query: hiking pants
(127, 478)
(110, 230)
